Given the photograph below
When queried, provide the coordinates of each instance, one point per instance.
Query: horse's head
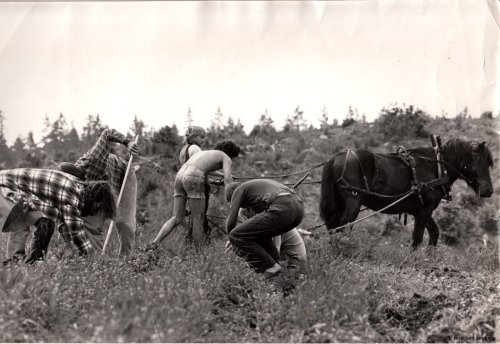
(476, 169)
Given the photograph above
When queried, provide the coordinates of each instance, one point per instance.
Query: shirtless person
(189, 183)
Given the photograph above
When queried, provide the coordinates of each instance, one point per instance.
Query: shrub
(397, 123)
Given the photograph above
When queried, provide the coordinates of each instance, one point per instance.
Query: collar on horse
(442, 173)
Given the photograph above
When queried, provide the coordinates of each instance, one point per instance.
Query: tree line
(62, 142)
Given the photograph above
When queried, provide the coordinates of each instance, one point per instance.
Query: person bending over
(97, 164)
(100, 164)
(189, 185)
(290, 246)
(60, 197)
(278, 210)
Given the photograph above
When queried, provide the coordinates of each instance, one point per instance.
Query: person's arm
(74, 226)
(101, 149)
(234, 208)
(231, 219)
(219, 174)
(216, 174)
(226, 168)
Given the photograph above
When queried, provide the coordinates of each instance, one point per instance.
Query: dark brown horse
(359, 177)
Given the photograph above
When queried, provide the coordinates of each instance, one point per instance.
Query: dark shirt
(255, 194)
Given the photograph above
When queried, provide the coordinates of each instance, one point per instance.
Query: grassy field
(361, 287)
(365, 285)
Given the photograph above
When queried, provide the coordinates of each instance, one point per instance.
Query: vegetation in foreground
(363, 286)
(360, 288)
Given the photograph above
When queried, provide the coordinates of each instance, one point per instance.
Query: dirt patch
(411, 314)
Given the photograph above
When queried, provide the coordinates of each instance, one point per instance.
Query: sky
(156, 60)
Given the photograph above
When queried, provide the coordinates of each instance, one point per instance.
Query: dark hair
(230, 190)
(98, 196)
(228, 147)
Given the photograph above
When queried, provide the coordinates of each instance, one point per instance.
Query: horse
(409, 181)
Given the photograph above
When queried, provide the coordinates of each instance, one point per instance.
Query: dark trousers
(40, 240)
(252, 239)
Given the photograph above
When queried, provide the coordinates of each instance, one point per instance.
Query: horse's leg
(421, 219)
(352, 206)
(433, 230)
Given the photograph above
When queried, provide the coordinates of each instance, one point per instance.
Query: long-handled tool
(119, 198)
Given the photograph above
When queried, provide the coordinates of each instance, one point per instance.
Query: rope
(315, 227)
(350, 224)
(217, 227)
(283, 176)
(219, 217)
(155, 165)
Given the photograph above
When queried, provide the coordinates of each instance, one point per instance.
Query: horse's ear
(482, 145)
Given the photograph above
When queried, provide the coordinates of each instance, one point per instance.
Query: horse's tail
(330, 202)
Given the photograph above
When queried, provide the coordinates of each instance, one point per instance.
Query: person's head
(230, 190)
(228, 147)
(195, 135)
(99, 199)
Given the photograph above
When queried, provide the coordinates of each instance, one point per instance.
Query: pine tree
(46, 127)
(216, 125)
(216, 130)
(98, 127)
(239, 127)
(18, 145)
(137, 128)
(298, 120)
(230, 125)
(349, 118)
(324, 126)
(30, 141)
(189, 119)
(88, 129)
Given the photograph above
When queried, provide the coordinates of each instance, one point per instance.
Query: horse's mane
(463, 150)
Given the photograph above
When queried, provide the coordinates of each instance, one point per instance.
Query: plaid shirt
(58, 195)
(99, 164)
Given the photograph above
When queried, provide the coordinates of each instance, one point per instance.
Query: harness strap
(438, 147)
(438, 182)
(408, 160)
(346, 185)
(415, 182)
(349, 151)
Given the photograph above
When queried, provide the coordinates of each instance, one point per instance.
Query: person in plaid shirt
(98, 164)
(61, 198)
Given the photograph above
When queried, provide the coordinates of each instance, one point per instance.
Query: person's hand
(132, 148)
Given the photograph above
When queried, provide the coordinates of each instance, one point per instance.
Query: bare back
(209, 161)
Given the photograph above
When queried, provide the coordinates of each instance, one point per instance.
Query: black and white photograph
(250, 171)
